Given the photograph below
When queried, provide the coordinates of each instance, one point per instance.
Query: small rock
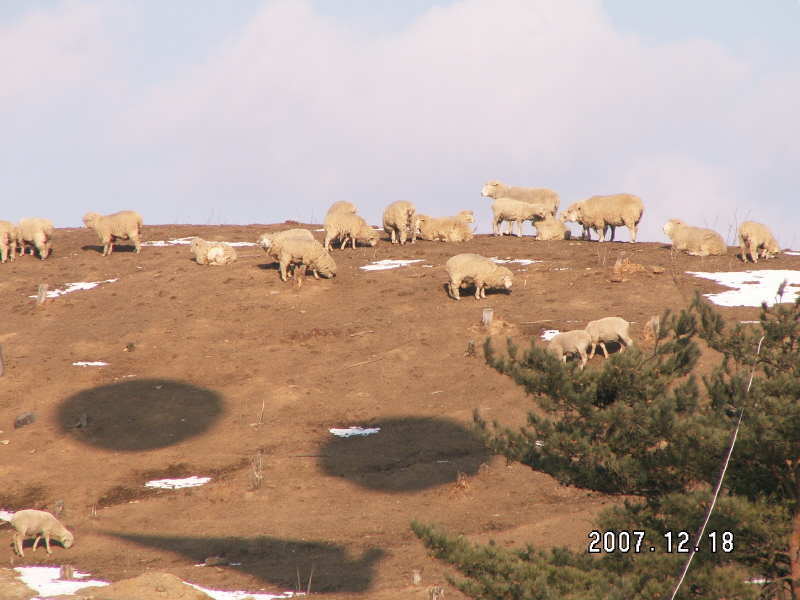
(25, 418)
(130, 347)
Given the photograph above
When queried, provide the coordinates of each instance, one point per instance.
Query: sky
(261, 111)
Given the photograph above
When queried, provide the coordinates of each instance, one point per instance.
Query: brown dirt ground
(209, 366)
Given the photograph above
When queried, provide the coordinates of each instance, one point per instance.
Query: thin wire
(699, 537)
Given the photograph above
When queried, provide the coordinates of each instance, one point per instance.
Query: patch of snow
(222, 595)
(792, 253)
(72, 287)
(383, 265)
(519, 261)
(174, 484)
(752, 287)
(173, 242)
(98, 363)
(549, 334)
(242, 243)
(5, 515)
(45, 581)
(354, 431)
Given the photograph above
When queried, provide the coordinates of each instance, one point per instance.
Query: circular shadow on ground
(139, 415)
(405, 455)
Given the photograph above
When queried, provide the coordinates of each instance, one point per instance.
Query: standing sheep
(35, 232)
(695, 241)
(398, 218)
(609, 329)
(571, 342)
(515, 211)
(445, 229)
(212, 253)
(547, 197)
(8, 240)
(124, 225)
(42, 524)
(348, 227)
(754, 237)
(305, 254)
(551, 229)
(271, 242)
(478, 270)
(602, 212)
(342, 206)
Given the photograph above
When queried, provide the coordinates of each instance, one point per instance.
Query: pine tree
(643, 426)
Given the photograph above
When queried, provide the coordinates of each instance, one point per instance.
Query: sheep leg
(584, 359)
(603, 348)
(592, 349)
(519, 227)
(453, 289)
(753, 251)
(613, 229)
(18, 545)
(283, 265)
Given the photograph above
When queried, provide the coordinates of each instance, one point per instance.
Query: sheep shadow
(468, 291)
(144, 414)
(281, 562)
(117, 248)
(407, 454)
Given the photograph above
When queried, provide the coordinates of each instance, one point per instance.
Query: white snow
(519, 261)
(383, 265)
(549, 334)
(175, 484)
(98, 363)
(354, 431)
(172, 242)
(751, 288)
(72, 287)
(5, 515)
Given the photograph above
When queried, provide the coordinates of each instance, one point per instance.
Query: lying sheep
(35, 232)
(305, 253)
(571, 342)
(445, 229)
(483, 272)
(212, 253)
(609, 329)
(348, 227)
(754, 237)
(551, 229)
(124, 225)
(342, 206)
(467, 215)
(695, 241)
(398, 218)
(603, 212)
(8, 240)
(515, 211)
(547, 197)
(41, 524)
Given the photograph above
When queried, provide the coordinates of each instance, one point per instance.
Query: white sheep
(609, 329)
(603, 212)
(271, 242)
(41, 524)
(35, 232)
(212, 253)
(445, 229)
(465, 269)
(695, 241)
(551, 229)
(547, 197)
(124, 225)
(305, 253)
(467, 215)
(8, 240)
(754, 237)
(348, 227)
(398, 218)
(571, 342)
(342, 206)
(515, 211)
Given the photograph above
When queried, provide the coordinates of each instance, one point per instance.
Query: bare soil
(212, 369)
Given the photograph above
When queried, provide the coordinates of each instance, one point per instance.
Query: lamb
(306, 254)
(35, 232)
(609, 329)
(695, 241)
(398, 218)
(551, 229)
(603, 212)
(753, 236)
(446, 229)
(348, 227)
(571, 342)
(8, 240)
(506, 209)
(547, 197)
(478, 270)
(342, 206)
(124, 225)
(212, 253)
(42, 524)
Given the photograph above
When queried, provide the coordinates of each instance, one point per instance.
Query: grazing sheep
(342, 206)
(571, 342)
(346, 227)
(41, 524)
(305, 253)
(467, 215)
(478, 270)
(124, 225)
(271, 242)
(609, 329)
(398, 218)
(445, 229)
(695, 241)
(212, 253)
(603, 212)
(515, 211)
(551, 229)
(8, 240)
(547, 197)
(35, 232)
(753, 237)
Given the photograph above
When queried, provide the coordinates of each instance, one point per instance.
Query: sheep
(545, 196)
(551, 229)
(609, 329)
(398, 218)
(481, 271)
(8, 240)
(35, 232)
(342, 206)
(124, 225)
(306, 254)
(348, 227)
(571, 342)
(42, 524)
(753, 236)
(695, 241)
(507, 209)
(603, 212)
(271, 242)
(467, 215)
(446, 229)
(212, 253)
